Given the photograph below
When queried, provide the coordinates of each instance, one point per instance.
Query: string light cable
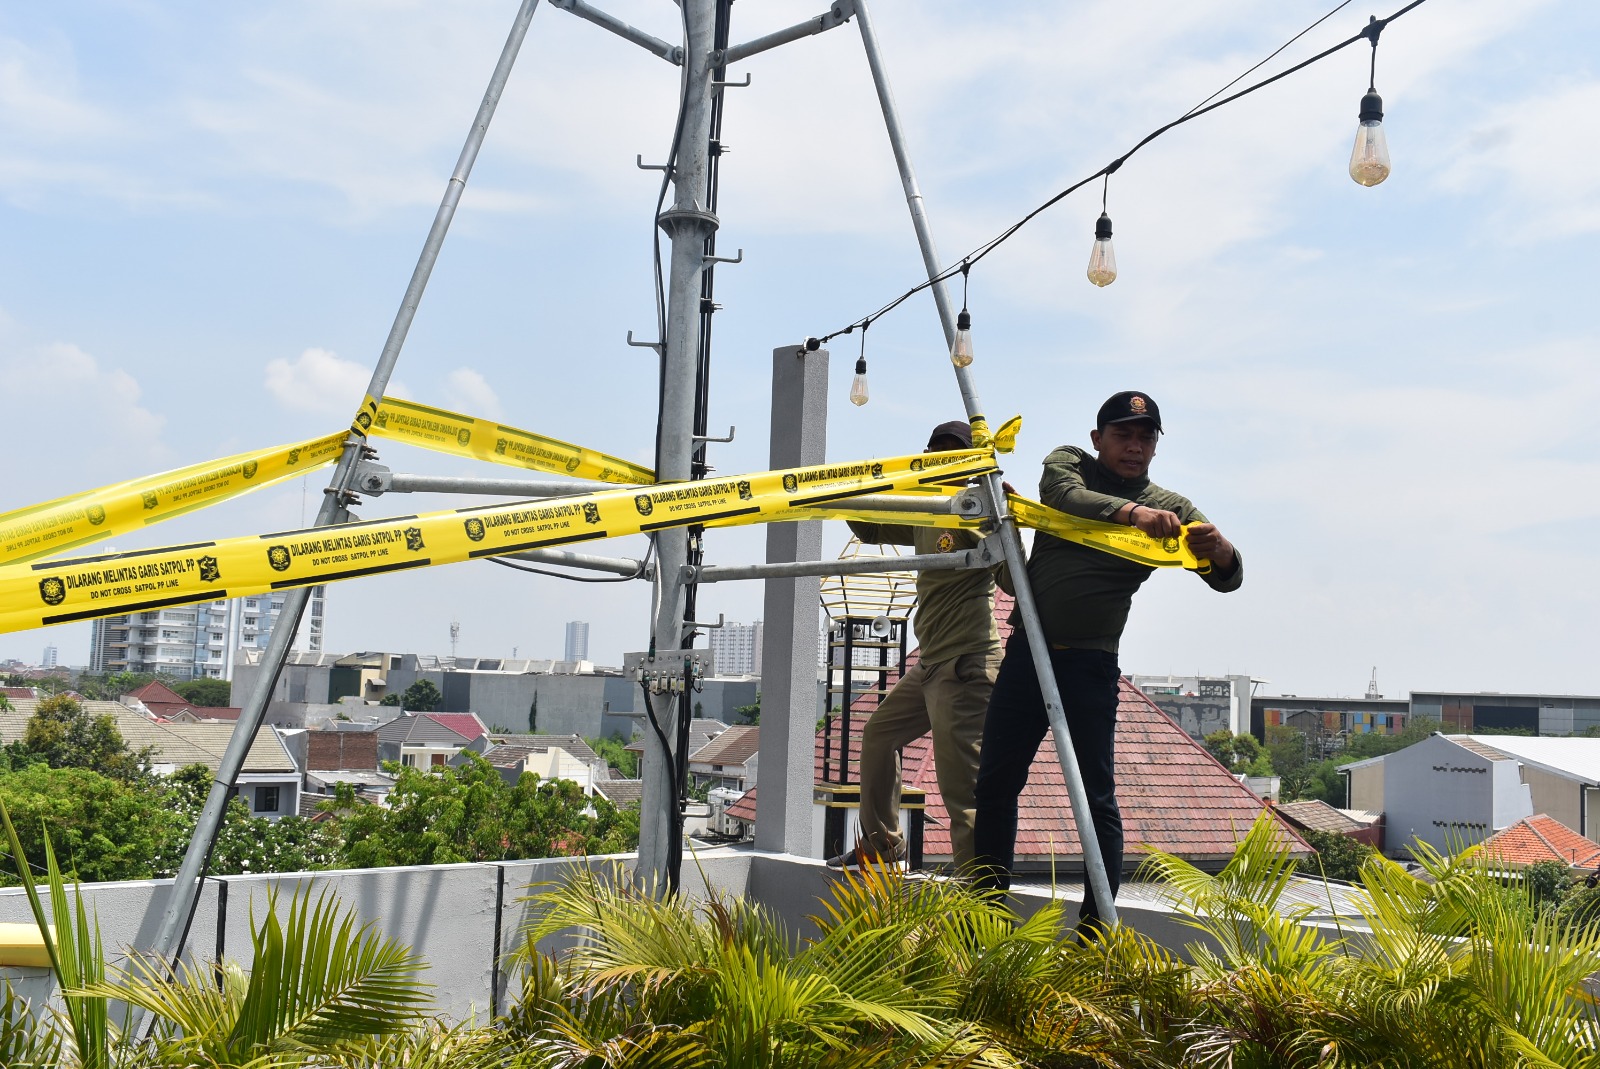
(1370, 32)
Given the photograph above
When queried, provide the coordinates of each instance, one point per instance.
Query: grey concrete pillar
(790, 648)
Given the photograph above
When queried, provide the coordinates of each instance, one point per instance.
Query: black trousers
(1015, 726)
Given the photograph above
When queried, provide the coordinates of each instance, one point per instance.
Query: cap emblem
(1136, 404)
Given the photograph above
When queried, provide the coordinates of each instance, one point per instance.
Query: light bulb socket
(861, 365)
(1102, 228)
(1371, 106)
(964, 320)
(812, 345)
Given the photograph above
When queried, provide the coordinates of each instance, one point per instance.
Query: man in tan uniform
(946, 691)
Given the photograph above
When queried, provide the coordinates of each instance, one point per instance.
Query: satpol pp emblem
(643, 503)
(210, 572)
(250, 468)
(95, 515)
(877, 471)
(463, 436)
(149, 498)
(52, 590)
(573, 462)
(591, 512)
(474, 528)
(790, 484)
(1169, 544)
(278, 557)
(744, 490)
(946, 542)
(414, 539)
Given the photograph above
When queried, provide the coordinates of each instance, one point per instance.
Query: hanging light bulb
(1103, 260)
(858, 385)
(961, 349)
(1369, 159)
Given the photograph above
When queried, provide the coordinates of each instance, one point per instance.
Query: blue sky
(209, 212)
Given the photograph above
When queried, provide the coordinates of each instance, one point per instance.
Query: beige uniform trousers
(950, 698)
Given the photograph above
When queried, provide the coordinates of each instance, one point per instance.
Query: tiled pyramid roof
(1173, 794)
(733, 747)
(1541, 838)
(1317, 815)
(745, 808)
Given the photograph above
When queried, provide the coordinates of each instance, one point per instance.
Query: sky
(208, 214)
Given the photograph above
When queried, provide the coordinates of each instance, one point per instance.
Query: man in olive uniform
(1083, 598)
(946, 691)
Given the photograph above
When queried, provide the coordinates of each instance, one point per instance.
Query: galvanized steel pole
(688, 223)
(1094, 862)
(186, 887)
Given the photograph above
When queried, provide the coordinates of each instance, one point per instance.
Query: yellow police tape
(59, 525)
(56, 592)
(1130, 543)
(484, 439)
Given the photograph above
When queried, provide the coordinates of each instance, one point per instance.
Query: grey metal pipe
(837, 15)
(186, 887)
(913, 504)
(928, 562)
(1066, 753)
(568, 559)
(688, 224)
(648, 42)
(401, 483)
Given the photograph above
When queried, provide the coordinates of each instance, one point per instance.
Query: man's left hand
(1207, 543)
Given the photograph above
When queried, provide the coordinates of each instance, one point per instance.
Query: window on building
(438, 759)
(409, 760)
(249, 621)
(250, 603)
(267, 798)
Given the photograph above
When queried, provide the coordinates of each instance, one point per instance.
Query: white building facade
(736, 648)
(198, 641)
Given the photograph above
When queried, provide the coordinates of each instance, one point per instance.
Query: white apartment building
(736, 648)
(577, 641)
(199, 641)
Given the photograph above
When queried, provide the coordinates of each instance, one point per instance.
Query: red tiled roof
(1173, 794)
(159, 693)
(17, 692)
(1541, 838)
(467, 725)
(745, 808)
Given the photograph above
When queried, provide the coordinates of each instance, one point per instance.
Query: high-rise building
(577, 641)
(736, 648)
(197, 641)
(51, 657)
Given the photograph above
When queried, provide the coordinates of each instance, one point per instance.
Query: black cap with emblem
(1127, 406)
(959, 429)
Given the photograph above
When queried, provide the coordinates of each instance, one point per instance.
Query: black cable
(655, 235)
(1370, 32)
(1274, 55)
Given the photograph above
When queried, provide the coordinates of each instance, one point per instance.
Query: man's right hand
(1157, 523)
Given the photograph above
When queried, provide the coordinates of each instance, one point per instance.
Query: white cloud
(61, 386)
(318, 381)
(468, 391)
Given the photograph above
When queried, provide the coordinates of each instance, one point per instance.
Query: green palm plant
(77, 959)
(318, 983)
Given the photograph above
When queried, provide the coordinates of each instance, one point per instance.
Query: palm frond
(24, 1042)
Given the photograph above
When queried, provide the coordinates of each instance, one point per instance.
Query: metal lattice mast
(688, 223)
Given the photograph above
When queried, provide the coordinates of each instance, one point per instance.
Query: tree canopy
(206, 693)
(468, 812)
(62, 734)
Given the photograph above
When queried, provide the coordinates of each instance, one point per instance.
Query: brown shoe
(863, 856)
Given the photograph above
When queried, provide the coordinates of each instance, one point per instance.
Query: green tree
(1338, 857)
(749, 714)
(244, 843)
(104, 828)
(62, 734)
(467, 812)
(533, 715)
(421, 697)
(1241, 754)
(109, 686)
(206, 693)
(614, 748)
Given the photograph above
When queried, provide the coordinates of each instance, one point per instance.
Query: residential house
(729, 760)
(422, 740)
(269, 780)
(1429, 786)
(1319, 816)
(549, 762)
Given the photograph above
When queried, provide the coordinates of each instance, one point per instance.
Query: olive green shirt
(1084, 595)
(955, 607)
